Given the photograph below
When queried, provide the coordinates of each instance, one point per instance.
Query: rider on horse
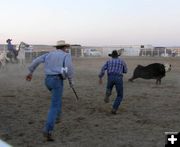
(11, 48)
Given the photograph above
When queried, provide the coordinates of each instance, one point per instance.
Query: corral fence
(29, 56)
(75, 51)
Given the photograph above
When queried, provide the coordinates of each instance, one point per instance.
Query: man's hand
(100, 81)
(29, 77)
(71, 83)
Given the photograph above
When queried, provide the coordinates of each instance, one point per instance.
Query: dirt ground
(147, 111)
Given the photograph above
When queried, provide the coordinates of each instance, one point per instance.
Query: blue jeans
(55, 85)
(116, 80)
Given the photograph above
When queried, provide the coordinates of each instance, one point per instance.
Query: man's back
(53, 63)
(116, 65)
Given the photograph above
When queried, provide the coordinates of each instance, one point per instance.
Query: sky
(91, 22)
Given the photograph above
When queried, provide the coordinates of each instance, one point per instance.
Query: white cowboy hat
(61, 43)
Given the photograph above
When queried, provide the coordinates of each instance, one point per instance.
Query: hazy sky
(91, 22)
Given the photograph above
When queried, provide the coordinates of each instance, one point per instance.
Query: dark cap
(114, 54)
(8, 40)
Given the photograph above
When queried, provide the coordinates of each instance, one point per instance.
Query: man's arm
(70, 73)
(125, 70)
(34, 65)
(36, 62)
(102, 72)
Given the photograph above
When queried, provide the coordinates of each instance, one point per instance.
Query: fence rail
(29, 56)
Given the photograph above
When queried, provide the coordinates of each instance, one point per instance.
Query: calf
(151, 71)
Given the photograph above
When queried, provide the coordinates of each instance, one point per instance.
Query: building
(175, 51)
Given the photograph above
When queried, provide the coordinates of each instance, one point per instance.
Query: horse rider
(11, 48)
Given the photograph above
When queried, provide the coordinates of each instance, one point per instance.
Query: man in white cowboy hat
(58, 66)
(115, 68)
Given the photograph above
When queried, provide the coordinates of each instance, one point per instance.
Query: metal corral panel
(32, 55)
(76, 50)
(131, 52)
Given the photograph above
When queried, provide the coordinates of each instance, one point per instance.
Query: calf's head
(167, 67)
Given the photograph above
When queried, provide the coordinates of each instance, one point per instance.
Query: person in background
(54, 62)
(115, 68)
(11, 48)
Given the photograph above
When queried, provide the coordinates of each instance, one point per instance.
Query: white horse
(21, 52)
(21, 49)
(7, 57)
(3, 59)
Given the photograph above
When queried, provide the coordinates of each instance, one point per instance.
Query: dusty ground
(147, 110)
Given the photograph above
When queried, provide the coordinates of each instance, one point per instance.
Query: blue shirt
(53, 63)
(10, 46)
(114, 66)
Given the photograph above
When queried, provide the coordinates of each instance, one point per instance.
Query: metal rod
(77, 98)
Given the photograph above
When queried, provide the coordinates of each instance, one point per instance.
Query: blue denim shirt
(53, 63)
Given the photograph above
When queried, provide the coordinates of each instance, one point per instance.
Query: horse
(18, 54)
(3, 59)
(21, 52)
